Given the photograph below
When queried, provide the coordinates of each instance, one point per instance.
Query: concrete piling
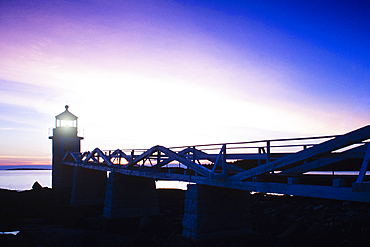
(212, 212)
(88, 187)
(130, 196)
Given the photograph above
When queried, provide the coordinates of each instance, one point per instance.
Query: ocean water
(24, 179)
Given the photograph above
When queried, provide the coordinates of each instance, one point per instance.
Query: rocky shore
(44, 218)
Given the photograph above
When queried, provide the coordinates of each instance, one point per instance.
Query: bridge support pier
(88, 187)
(212, 212)
(130, 196)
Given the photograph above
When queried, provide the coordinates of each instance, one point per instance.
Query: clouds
(140, 73)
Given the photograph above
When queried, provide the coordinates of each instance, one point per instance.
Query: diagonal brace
(364, 166)
(334, 144)
(324, 161)
(221, 160)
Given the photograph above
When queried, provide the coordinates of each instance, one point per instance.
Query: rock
(347, 204)
(299, 226)
(10, 240)
(351, 213)
(284, 242)
(36, 186)
(279, 221)
(145, 223)
(321, 215)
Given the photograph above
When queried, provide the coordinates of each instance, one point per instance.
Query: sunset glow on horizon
(174, 72)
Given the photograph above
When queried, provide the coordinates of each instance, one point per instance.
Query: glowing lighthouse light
(66, 119)
(67, 123)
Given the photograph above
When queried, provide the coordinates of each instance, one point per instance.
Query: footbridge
(220, 176)
(332, 167)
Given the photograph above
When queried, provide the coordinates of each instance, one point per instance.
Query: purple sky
(142, 73)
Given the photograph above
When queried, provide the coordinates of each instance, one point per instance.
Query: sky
(174, 72)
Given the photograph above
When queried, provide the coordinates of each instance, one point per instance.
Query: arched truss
(157, 157)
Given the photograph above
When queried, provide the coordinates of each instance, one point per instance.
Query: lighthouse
(65, 138)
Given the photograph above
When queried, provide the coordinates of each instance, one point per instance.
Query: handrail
(247, 142)
(259, 141)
